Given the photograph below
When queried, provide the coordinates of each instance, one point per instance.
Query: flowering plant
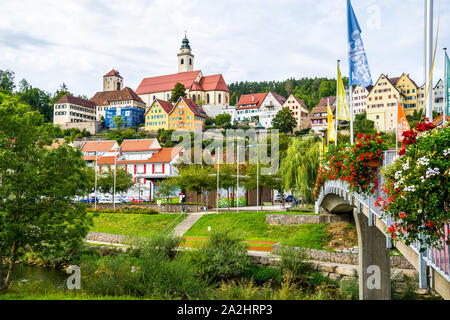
(353, 164)
(417, 186)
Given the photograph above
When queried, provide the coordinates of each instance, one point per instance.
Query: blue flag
(359, 67)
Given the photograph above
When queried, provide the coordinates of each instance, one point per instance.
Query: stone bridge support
(374, 260)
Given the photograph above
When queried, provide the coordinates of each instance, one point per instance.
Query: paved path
(187, 223)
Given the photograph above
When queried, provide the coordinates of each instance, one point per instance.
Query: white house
(261, 106)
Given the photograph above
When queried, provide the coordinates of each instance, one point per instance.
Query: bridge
(432, 264)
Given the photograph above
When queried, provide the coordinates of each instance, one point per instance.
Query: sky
(49, 42)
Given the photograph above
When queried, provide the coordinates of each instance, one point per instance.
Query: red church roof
(213, 83)
(166, 83)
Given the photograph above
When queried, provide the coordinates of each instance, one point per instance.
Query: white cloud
(49, 42)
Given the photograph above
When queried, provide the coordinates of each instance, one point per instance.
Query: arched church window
(182, 61)
(190, 61)
(207, 98)
(193, 97)
(220, 98)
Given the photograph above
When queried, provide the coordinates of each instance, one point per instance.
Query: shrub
(262, 274)
(146, 272)
(166, 245)
(293, 261)
(223, 257)
(349, 289)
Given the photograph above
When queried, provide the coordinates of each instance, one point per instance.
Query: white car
(105, 199)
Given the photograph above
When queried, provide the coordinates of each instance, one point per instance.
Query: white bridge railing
(437, 257)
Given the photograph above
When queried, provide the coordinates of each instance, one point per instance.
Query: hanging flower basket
(374, 163)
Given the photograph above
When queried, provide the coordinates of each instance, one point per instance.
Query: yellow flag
(331, 124)
(343, 109)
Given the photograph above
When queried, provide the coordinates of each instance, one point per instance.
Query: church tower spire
(185, 56)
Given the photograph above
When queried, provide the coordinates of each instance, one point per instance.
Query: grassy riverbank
(137, 225)
(251, 225)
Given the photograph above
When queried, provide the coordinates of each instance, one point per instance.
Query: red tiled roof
(107, 160)
(101, 146)
(322, 107)
(197, 110)
(113, 73)
(213, 83)
(196, 87)
(77, 101)
(166, 105)
(166, 154)
(279, 98)
(56, 143)
(166, 83)
(250, 99)
(439, 119)
(104, 98)
(394, 80)
(139, 145)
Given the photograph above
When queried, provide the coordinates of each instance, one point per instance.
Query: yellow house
(186, 115)
(157, 116)
(409, 90)
(382, 104)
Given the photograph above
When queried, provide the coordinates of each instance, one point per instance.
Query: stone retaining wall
(291, 219)
(346, 257)
(107, 237)
(296, 219)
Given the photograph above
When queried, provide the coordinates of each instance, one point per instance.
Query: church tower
(185, 57)
(112, 81)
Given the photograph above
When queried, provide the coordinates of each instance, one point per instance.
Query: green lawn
(252, 226)
(138, 225)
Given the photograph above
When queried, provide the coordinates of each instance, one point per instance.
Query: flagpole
(351, 114)
(444, 114)
(396, 129)
(237, 177)
(114, 191)
(95, 185)
(337, 103)
(218, 172)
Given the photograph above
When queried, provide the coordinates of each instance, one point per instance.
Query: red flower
(402, 215)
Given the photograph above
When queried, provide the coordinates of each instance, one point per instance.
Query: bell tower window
(182, 61)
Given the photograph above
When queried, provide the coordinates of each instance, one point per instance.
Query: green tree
(124, 181)
(63, 90)
(7, 80)
(166, 189)
(299, 167)
(223, 120)
(227, 179)
(37, 99)
(178, 91)
(363, 125)
(195, 178)
(284, 121)
(38, 185)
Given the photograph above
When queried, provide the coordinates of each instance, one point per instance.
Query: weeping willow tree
(299, 168)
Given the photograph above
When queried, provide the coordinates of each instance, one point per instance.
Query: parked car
(290, 198)
(105, 199)
(124, 200)
(278, 198)
(89, 199)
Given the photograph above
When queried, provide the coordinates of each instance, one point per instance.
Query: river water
(24, 273)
